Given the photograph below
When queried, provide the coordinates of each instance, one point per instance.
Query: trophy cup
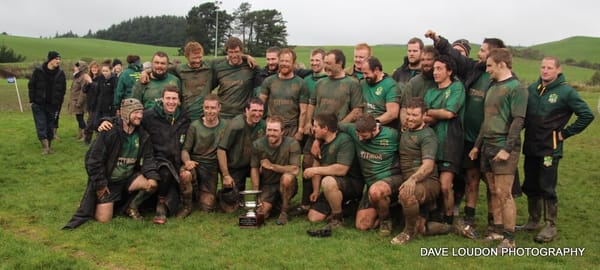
(250, 202)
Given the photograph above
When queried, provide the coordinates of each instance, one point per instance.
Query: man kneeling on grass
(119, 162)
(336, 170)
(274, 166)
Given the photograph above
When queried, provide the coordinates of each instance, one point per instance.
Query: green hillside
(577, 48)
(71, 49)
(391, 56)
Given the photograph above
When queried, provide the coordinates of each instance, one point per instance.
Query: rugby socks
(469, 215)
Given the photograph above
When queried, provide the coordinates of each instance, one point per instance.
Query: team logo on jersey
(384, 142)
(182, 138)
(553, 98)
(447, 93)
(137, 142)
(378, 90)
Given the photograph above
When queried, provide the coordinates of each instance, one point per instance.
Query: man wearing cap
(127, 79)
(462, 46)
(47, 88)
(119, 162)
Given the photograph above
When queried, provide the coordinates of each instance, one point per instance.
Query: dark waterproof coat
(101, 160)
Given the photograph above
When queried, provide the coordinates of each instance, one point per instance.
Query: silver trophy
(249, 201)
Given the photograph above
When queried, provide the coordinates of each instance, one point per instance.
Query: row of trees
(258, 29)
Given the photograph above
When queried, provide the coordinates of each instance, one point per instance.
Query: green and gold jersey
(128, 156)
(377, 156)
(504, 101)
(474, 107)
(236, 86)
(151, 92)
(284, 97)
(416, 146)
(201, 142)
(379, 94)
(287, 153)
(340, 151)
(450, 131)
(237, 141)
(196, 83)
(338, 96)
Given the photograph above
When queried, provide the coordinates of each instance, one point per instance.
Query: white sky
(334, 22)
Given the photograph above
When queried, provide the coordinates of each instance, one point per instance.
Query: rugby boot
(534, 206)
(385, 228)
(548, 233)
(401, 239)
(45, 147)
(81, 135)
(186, 208)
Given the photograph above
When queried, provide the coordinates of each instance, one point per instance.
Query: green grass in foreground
(40, 193)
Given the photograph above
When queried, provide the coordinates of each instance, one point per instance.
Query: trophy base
(251, 221)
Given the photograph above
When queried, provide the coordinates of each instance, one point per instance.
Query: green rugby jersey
(287, 153)
(416, 87)
(451, 98)
(201, 142)
(151, 92)
(196, 83)
(340, 151)
(415, 146)
(339, 96)
(377, 95)
(474, 100)
(237, 140)
(284, 97)
(236, 86)
(127, 157)
(311, 82)
(504, 101)
(377, 156)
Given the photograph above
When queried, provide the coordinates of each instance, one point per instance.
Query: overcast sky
(334, 22)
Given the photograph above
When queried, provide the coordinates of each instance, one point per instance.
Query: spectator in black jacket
(47, 89)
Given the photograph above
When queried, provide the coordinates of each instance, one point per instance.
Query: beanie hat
(132, 59)
(116, 61)
(463, 43)
(128, 106)
(52, 55)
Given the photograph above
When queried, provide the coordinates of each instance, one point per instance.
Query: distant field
(72, 49)
(391, 56)
(577, 48)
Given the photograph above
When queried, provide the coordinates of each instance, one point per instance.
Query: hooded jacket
(548, 112)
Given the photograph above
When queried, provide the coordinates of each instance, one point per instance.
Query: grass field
(39, 194)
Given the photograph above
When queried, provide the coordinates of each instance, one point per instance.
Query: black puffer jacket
(47, 87)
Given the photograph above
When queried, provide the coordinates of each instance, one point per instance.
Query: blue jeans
(45, 118)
